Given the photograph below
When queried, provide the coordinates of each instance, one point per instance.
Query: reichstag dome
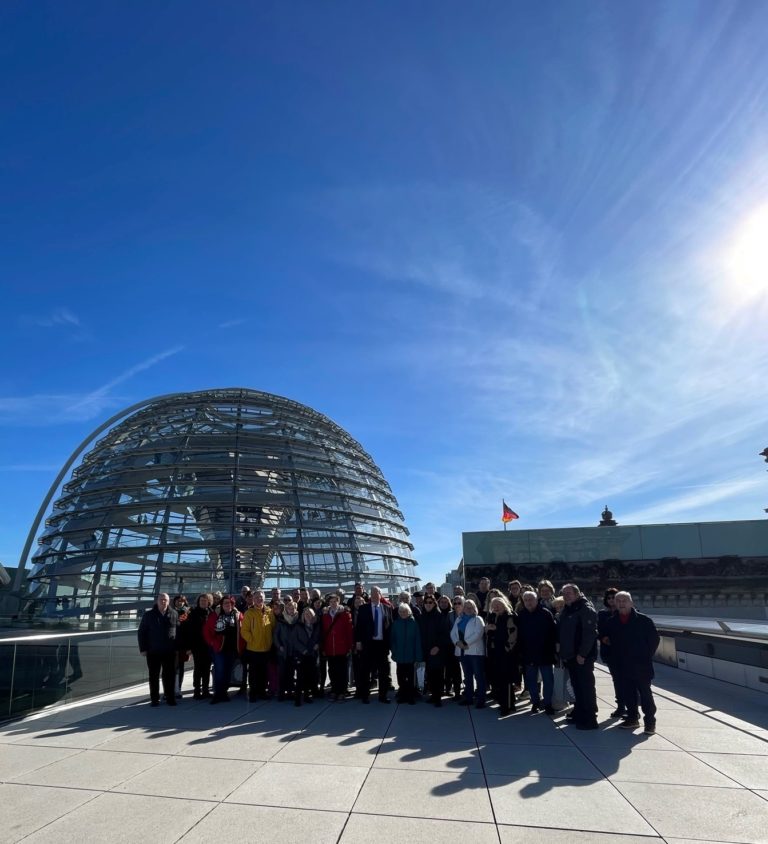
(210, 491)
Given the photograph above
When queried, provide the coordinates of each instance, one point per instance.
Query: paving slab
(189, 777)
(236, 744)
(415, 754)
(311, 749)
(165, 741)
(586, 805)
(253, 823)
(352, 718)
(28, 807)
(723, 814)
(520, 728)
(367, 772)
(538, 761)
(68, 735)
(718, 740)
(422, 722)
(543, 835)
(663, 767)
(747, 770)
(612, 737)
(124, 819)
(91, 769)
(19, 759)
(374, 829)
(332, 787)
(425, 794)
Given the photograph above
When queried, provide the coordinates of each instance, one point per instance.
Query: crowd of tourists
(488, 644)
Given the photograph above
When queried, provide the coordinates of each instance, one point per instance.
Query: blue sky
(501, 244)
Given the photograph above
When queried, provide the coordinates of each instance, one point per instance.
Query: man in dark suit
(372, 631)
(633, 639)
(157, 641)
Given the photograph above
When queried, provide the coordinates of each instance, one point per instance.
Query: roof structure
(214, 490)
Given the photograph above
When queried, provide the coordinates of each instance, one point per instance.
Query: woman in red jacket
(337, 640)
(222, 632)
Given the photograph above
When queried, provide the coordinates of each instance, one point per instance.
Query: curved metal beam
(21, 571)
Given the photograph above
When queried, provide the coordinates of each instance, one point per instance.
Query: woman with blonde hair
(502, 649)
(467, 636)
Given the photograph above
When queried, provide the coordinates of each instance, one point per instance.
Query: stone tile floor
(113, 769)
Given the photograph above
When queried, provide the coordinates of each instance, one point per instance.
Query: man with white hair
(372, 633)
(157, 642)
(537, 634)
(634, 639)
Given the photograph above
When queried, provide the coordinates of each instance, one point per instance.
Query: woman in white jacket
(467, 635)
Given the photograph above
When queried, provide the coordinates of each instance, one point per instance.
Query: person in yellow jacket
(256, 629)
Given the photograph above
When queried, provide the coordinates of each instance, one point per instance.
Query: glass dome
(214, 490)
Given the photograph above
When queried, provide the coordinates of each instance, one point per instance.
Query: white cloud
(57, 408)
(58, 317)
(566, 391)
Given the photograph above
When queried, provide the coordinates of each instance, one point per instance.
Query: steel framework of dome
(214, 490)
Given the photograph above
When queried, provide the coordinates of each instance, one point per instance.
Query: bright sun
(747, 257)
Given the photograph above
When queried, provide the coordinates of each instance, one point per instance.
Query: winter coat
(337, 634)
(473, 636)
(406, 640)
(303, 640)
(501, 643)
(537, 636)
(157, 631)
(282, 635)
(603, 617)
(633, 645)
(435, 633)
(194, 626)
(577, 630)
(216, 638)
(256, 629)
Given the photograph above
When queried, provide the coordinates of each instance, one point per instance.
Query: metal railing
(733, 628)
(43, 670)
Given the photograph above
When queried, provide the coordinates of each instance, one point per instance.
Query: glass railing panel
(7, 653)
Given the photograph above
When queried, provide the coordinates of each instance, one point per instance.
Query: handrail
(65, 635)
(732, 628)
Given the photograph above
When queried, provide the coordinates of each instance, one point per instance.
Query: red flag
(507, 514)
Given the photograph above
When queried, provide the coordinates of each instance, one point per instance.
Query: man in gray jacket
(577, 634)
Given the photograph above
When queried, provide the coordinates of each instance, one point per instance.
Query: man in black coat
(372, 632)
(537, 640)
(436, 644)
(577, 632)
(603, 617)
(157, 641)
(634, 639)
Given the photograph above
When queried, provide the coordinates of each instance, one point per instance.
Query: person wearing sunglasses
(435, 644)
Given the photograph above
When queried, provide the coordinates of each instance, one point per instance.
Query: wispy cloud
(95, 398)
(57, 408)
(708, 494)
(231, 323)
(567, 388)
(57, 317)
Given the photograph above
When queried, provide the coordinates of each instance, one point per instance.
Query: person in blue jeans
(468, 637)
(537, 640)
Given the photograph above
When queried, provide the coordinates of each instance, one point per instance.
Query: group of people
(301, 645)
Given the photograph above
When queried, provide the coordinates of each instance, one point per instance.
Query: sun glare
(747, 259)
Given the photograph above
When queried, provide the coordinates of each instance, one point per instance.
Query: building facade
(681, 569)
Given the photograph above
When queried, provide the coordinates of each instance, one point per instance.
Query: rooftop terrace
(114, 769)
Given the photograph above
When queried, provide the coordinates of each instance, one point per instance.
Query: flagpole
(502, 510)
